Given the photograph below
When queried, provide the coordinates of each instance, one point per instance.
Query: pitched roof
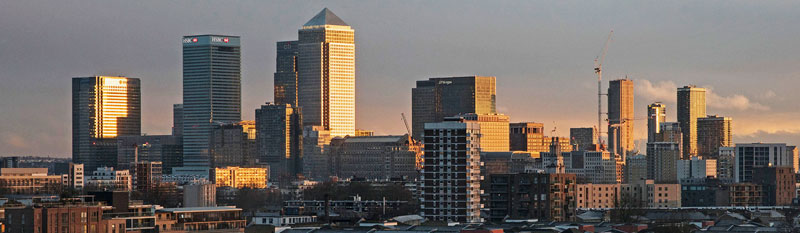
(325, 17)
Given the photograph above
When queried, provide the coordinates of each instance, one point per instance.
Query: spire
(325, 17)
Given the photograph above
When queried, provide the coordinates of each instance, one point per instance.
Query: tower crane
(598, 69)
(419, 159)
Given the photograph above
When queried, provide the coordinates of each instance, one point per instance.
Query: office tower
(280, 139)
(777, 183)
(374, 157)
(146, 176)
(326, 74)
(242, 177)
(549, 197)
(691, 105)
(434, 99)
(211, 92)
(177, 120)
(527, 136)
(316, 141)
(696, 169)
(749, 156)
(662, 160)
(285, 77)
(148, 148)
(103, 108)
(713, 132)
(584, 138)
(494, 130)
(620, 117)
(656, 114)
(233, 144)
(451, 181)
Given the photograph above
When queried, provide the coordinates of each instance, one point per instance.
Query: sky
(542, 52)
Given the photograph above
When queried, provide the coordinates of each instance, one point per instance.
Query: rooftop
(325, 17)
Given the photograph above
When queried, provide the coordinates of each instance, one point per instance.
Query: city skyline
(384, 89)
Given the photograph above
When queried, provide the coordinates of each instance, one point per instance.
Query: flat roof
(199, 209)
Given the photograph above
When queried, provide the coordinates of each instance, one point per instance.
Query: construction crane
(598, 69)
(419, 159)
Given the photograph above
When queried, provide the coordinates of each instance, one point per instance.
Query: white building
(278, 220)
(108, 179)
(751, 155)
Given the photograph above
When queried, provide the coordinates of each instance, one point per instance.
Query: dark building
(280, 139)
(741, 194)
(374, 157)
(46, 218)
(177, 120)
(9, 162)
(540, 196)
(434, 99)
(528, 136)
(211, 92)
(286, 73)
(777, 184)
(233, 144)
(584, 138)
(704, 193)
(103, 108)
(148, 148)
(118, 200)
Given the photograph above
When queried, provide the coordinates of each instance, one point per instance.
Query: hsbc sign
(215, 39)
(190, 40)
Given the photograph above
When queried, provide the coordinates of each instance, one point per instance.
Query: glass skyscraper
(102, 109)
(211, 91)
(286, 73)
(691, 105)
(326, 74)
(620, 117)
(434, 99)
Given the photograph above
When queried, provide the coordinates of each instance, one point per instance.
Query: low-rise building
(374, 157)
(532, 196)
(106, 178)
(29, 181)
(242, 177)
(200, 194)
(281, 220)
(216, 219)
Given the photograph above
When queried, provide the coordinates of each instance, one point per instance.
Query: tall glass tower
(102, 109)
(327, 74)
(211, 91)
(691, 105)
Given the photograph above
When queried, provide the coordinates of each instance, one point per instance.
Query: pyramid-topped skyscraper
(326, 77)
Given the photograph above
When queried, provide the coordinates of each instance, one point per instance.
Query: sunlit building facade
(494, 130)
(326, 68)
(691, 105)
(656, 114)
(242, 177)
(103, 108)
(211, 91)
(713, 132)
(620, 117)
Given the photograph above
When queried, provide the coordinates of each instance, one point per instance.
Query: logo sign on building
(190, 40)
(215, 39)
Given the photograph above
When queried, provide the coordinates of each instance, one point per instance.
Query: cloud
(15, 141)
(790, 137)
(666, 92)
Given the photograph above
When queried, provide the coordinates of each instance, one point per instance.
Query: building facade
(177, 120)
(451, 172)
(584, 138)
(200, 194)
(494, 130)
(540, 196)
(691, 105)
(233, 144)
(166, 149)
(285, 77)
(280, 139)
(749, 156)
(713, 132)
(696, 168)
(242, 177)
(27, 181)
(212, 83)
(527, 136)
(146, 176)
(326, 74)
(103, 108)
(434, 99)
(106, 178)
(374, 157)
(662, 162)
(656, 114)
(620, 117)
(777, 185)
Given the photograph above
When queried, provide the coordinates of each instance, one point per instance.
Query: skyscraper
(285, 78)
(434, 99)
(177, 120)
(656, 114)
(662, 161)
(103, 108)
(585, 138)
(211, 91)
(326, 74)
(451, 180)
(620, 116)
(280, 139)
(691, 105)
(713, 132)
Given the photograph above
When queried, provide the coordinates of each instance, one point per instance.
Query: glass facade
(102, 109)
(691, 105)
(211, 91)
(286, 73)
(437, 98)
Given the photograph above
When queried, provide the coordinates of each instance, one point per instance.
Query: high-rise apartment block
(326, 71)
(285, 77)
(662, 162)
(749, 156)
(656, 114)
(726, 163)
(494, 130)
(713, 132)
(691, 105)
(620, 117)
(280, 139)
(584, 138)
(103, 108)
(451, 176)
(211, 92)
(434, 99)
(233, 144)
